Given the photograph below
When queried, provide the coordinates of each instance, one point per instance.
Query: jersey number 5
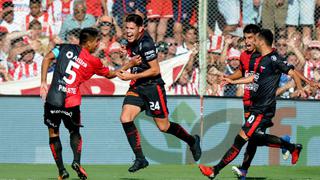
(71, 73)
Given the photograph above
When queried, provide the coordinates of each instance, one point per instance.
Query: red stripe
(35, 69)
(53, 151)
(138, 145)
(79, 145)
(232, 156)
(179, 11)
(274, 145)
(163, 104)
(255, 125)
(27, 68)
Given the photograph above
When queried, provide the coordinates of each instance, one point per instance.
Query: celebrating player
(248, 65)
(74, 65)
(147, 93)
(265, 82)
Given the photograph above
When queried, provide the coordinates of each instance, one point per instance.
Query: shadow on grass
(131, 179)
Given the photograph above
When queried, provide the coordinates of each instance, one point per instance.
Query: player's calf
(196, 148)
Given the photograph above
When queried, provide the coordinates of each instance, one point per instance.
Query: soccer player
(247, 67)
(265, 82)
(147, 93)
(74, 65)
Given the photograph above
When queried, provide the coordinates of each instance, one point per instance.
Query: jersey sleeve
(148, 51)
(56, 51)
(281, 65)
(100, 69)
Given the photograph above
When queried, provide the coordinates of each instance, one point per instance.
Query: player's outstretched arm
(236, 75)
(44, 70)
(154, 70)
(297, 80)
(245, 80)
(135, 61)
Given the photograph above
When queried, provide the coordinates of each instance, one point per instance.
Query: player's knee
(163, 128)
(75, 130)
(53, 132)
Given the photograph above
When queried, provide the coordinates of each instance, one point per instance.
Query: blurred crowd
(31, 28)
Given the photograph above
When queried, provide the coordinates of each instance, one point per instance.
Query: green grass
(154, 172)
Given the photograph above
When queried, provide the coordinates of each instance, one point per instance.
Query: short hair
(187, 28)
(267, 36)
(35, 2)
(34, 22)
(135, 18)
(88, 34)
(82, 2)
(251, 28)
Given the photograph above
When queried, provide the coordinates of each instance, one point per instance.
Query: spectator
(185, 85)
(233, 62)
(172, 47)
(251, 12)
(38, 42)
(121, 8)
(184, 12)
(8, 20)
(110, 32)
(162, 49)
(190, 37)
(115, 58)
(4, 75)
(27, 63)
(79, 19)
(158, 14)
(59, 10)
(43, 17)
(274, 13)
(301, 12)
(214, 86)
(282, 47)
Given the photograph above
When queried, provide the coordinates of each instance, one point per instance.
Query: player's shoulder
(274, 56)
(146, 41)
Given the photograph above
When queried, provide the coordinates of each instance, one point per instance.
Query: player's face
(250, 40)
(133, 31)
(93, 45)
(258, 43)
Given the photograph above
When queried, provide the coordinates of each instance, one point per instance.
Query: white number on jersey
(71, 73)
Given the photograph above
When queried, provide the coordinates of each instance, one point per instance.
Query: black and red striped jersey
(247, 67)
(74, 66)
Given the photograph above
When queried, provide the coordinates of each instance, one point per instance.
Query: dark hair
(135, 18)
(187, 28)
(7, 4)
(16, 40)
(35, 1)
(34, 23)
(88, 34)
(267, 36)
(251, 28)
(74, 32)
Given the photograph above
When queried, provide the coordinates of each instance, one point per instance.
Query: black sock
(76, 146)
(56, 149)
(231, 154)
(133, 138)
(274, 141)
(178, 131)
(249, 154)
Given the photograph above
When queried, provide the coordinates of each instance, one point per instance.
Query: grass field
(154, 172)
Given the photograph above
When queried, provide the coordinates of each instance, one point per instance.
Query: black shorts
(256, 122)
(70, 116)
(150, 97)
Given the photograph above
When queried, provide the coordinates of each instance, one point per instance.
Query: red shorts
(159, 8)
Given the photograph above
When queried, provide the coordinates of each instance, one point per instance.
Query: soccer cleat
(296, 153)
(63, 174)
(285, 152)
(240, 173)
(196, 148)
(80, 171)
(207, 171)
(138, 164)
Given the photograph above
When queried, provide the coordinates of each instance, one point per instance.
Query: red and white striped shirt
(46, 21)
(59, 10)
(308, 70)
(22, 70)
(191, 88)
